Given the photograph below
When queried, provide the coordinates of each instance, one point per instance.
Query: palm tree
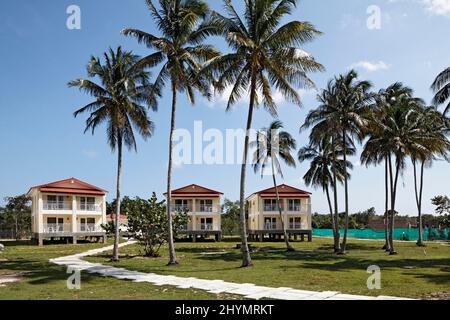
(265, 54)
(320, 172)
(376, 149)
(426, 141)
(343, 110)
(441, 88)
(180, 51)
(271, 145)
(121, 99)
(397, 132)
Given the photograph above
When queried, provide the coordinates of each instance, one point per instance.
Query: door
(295, 223)
(55, 225)
(206, 224)
(206, 205)
(270, 223)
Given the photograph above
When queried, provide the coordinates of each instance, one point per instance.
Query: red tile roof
(195, 190)
(284, 191)
(80, 187)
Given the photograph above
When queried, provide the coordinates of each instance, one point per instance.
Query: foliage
(147, 223)
(109, 227)
(442, 204)
(230, 217)
(16, 216)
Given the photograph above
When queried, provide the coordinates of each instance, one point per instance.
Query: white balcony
(89, 228)
(57, 227)
(90, 207)
(270, 226)
(57, 205)
(206, 227)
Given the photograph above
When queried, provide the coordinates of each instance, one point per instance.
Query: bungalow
(68, 209)
(204, 210)
(264, 218)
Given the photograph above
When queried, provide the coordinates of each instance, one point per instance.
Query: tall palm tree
(121, 99)
(320, 172)
(441, 88)
(180, 52)
(426, 142)
(376, 150)
(344, 109)
(271, 146)
(265, 55)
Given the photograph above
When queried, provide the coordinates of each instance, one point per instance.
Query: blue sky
(42, 142)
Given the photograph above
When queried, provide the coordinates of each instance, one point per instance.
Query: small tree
(230, 217)
(17, 214)
(147, 223)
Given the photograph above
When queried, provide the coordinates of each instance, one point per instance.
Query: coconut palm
(121, 99)
(265, 55)
(180, 52)
(441, 88)
(320, 172)
(344, 109)
(271, 146)
(376, 150)
(426, 142)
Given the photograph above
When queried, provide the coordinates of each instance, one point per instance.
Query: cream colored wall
(39, 216)
(256, 216)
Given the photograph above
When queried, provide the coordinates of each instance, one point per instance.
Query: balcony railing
(88, 228)
(180, 208)
(272, 208)
(57, 205)
(92, 207)
(270, 226)
(206, 227)
(295, 226)
(206, 208)
(57, 228)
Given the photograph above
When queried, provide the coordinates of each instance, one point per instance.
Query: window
(55, 225)
(87, 203)
(295, 223)
(206, 223)
(181, 205)
(270, 223)
(206, 205)
(55, 202)
(294, 205)
(271, 205)
(87, 224)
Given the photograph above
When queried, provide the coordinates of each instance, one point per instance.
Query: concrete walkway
(248, 290)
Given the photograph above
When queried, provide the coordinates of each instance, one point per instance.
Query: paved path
(248, 290)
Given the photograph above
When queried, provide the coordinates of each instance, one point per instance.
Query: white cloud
(371, 66)
(437, 7)
(91, 154)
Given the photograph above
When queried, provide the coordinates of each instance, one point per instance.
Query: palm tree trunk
(387, 245)
(289, 248)
(394, 182)
(344, 145)
(336, 209)
(419, 200)
(330, 206)
(246, 258)
(172, 255)
(118, 190)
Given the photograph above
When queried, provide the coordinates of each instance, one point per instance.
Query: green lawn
(43, 280)
(415, 272)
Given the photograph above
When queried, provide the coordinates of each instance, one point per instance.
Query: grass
(41, 280)
(415, 272)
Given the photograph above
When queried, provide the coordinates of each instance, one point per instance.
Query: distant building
(68, 209)
(204, 210)
(264, 218)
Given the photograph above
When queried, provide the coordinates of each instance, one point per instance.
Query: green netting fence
(399, 234)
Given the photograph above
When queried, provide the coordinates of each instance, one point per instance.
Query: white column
(74, 214)
(40, 218)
